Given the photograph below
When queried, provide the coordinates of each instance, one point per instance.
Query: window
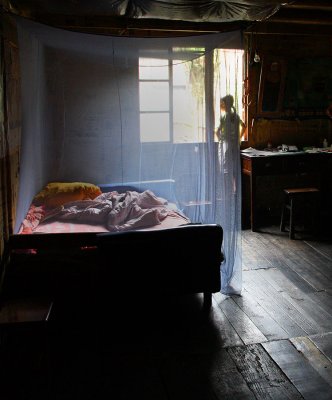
(228, 75)
(189, 101)
(154, 94)
(177, 90)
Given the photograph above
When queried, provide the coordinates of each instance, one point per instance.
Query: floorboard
(275, 307)
(299, 371)
(300, 309)
(244, 326)
(324, 343)
(284, 257)
(316, 315)
(272, 342)
(260, 317)
(323, 247)
(315, 357)
(254, 259)
(316, 262)
(263, 376)
(322, 299)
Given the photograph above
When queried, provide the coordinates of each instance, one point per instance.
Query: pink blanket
(116, 211)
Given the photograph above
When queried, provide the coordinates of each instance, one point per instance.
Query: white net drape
(117, 110)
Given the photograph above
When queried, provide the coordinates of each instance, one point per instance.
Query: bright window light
(176, 94)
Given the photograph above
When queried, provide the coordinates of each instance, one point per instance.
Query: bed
(112, 239)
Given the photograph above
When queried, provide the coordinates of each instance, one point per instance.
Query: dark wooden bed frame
(184, 259)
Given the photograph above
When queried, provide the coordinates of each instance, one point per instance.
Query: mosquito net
(110, 110)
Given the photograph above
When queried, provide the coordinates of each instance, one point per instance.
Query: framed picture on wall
(271, 87)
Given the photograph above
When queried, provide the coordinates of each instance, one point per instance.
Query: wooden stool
(294, 200)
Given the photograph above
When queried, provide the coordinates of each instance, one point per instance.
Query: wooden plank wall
(280, 127)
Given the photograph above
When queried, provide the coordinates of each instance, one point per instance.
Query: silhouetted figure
(229, 132)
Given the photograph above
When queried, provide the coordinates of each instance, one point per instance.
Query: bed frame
(184, 259)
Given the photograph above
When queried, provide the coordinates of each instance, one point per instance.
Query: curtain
(120, 110)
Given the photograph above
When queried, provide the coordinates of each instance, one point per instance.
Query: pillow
(56, 194)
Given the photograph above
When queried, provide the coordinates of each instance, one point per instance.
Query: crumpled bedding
(34, 215)
(117, 211)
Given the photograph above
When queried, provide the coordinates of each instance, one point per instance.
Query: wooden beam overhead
(309, 5)
(303, 16)
(113, 25)
(282, 28)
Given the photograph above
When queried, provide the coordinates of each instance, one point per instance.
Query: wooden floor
(273, 342)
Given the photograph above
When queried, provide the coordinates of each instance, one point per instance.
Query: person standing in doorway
(230, 130)
(228, 188)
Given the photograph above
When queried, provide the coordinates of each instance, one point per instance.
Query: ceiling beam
(309, 17)
(276, 28)
(105, 24)
(303, 21)
(309, 5)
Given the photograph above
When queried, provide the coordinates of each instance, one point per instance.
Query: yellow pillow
(57, 193)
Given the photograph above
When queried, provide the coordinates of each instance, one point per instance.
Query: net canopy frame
(106, 109)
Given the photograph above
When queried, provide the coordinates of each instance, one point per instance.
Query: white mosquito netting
(104, 110)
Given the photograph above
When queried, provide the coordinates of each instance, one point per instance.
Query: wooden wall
(10, 129)
(300, 127)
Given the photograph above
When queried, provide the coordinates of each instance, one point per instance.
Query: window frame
(170, 102)
(208, 92)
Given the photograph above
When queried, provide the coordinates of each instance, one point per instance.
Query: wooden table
(299, 163)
